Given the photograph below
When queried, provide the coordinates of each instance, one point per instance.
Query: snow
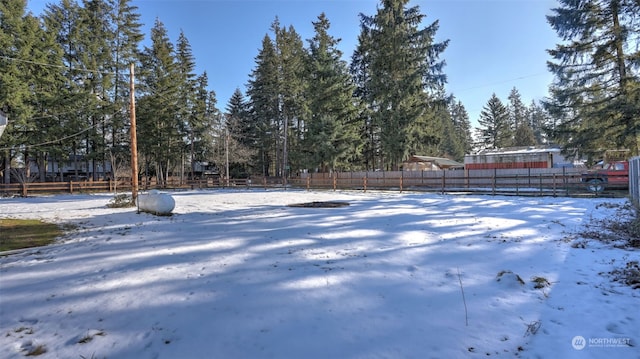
(239, 274)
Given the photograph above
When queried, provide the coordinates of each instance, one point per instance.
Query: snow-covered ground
(239, 274)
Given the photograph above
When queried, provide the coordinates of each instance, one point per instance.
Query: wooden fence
(534, 181)
(35, 188)
(527, 181)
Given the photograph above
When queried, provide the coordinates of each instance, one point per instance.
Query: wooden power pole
(134, 138)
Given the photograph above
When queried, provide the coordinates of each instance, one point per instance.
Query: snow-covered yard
(239, 274)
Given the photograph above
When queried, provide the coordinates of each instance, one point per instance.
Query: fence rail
(553, 181)
(556, 181)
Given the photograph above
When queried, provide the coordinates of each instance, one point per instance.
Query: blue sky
(494, 44)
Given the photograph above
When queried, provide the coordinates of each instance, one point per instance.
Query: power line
(58, 139)
(503, 81)
(57, 66)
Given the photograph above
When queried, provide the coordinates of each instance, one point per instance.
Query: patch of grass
(26, 233)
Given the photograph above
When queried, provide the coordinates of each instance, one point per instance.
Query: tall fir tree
(125, 51)
(292, 80)
(361, 74)
(494, 121)
(520, 126)
(241, 135)
(596, 91)
(29, 88)
(461, 129)
(204, 118)
(67, 21)
(187, 92)
(403, 64)
(331, 139)
(158, 114)
(264, 102)
(540, 123)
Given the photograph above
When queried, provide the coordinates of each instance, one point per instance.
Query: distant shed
(517, 157)
(428, 163)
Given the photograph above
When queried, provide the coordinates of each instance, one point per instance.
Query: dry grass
(26, 233)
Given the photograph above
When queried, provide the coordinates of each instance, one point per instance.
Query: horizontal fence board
(549, 181)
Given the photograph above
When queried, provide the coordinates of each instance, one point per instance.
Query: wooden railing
(555, 182)
(551, 181)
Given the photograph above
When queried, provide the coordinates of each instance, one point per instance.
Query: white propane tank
(156, 203)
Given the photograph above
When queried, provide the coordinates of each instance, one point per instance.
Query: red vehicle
(614, 174)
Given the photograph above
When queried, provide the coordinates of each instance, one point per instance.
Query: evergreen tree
(330, 137)
(203, 118)
(361, 74)
(126, 41)
(158, 112)
(264, 97)
(524, 136)
(403, 64)
(241, 135)
(291, 85)
(427, 134)
(28, 88)
(540, 123)
(461, 130)
(494, 122)
(96, 37)
(596, 92)
(67, 21)
(520, 126)
(187, 92)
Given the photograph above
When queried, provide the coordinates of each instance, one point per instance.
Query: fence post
(335, 181)
(466, 177)
(517, 186)
(401, 178)
(24, 189)
(494, 179)
(540, 180)
(70, 187)
(444, 183)
(365, 182)
(308, 181)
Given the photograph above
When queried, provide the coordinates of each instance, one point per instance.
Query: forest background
(64, 84)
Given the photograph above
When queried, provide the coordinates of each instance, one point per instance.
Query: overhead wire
(60, 114)
(58, 66)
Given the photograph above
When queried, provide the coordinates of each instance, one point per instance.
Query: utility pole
(134, 138)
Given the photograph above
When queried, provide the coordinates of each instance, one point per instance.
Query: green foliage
(263, 92)
(494, 121)
(26, 233)
(398, 64)
(330, 138)
(597, 83)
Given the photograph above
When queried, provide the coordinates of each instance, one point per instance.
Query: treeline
(64, 83)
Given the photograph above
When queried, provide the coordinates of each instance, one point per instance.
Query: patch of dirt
(320, 204)
(629, 275)
(622, 231)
